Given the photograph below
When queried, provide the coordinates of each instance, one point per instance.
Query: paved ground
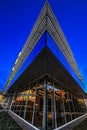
(81, 126)
(7, 123)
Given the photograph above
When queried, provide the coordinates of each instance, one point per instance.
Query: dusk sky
(17, 18)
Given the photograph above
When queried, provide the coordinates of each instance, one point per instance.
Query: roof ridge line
(45, 21)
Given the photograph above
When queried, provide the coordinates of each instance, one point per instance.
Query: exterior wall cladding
(45, 102)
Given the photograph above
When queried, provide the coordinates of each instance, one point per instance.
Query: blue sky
(17, 18)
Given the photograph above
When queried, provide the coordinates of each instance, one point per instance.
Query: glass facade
(47, 104)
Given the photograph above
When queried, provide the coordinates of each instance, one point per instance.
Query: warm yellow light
(30, 91)
(16, 61)
(80, 100)
(19, 54)
(13, 69)
(1, 97)
(31, 98)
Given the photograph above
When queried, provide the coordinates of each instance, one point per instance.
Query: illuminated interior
(45, 103)
(1, 97)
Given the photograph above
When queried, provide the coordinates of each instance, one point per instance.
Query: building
(48, 93)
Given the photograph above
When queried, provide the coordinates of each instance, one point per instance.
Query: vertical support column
(63, 108)
(34, 105)
(54, 125)
(16, 87)
(9, 102)
(26, 106)
(84, 105)
(73, 105)
(12, 100)
(45, 106)
(69, 105)
(79, 109)
(76, 106)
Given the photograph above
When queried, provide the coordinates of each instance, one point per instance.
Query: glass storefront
(47, 104)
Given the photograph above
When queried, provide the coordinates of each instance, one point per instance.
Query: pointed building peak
(46, 21)
(46, 1)
(47, 5)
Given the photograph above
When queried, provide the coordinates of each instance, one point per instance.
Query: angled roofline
(46, 21)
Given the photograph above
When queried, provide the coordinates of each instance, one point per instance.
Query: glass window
(38, 112)
(59, 99)
(47, 104)
(30, 103)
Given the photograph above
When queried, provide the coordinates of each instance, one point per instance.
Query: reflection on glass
(38, 113)
(30, 104)
(60, 115)
(47, 103)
